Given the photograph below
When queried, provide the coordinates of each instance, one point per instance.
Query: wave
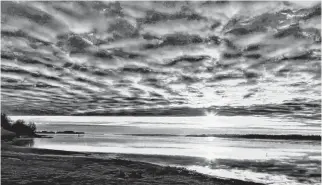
(297, 171)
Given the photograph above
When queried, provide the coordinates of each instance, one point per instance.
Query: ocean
(210, 144)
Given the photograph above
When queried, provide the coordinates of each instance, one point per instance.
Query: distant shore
(59, 132)
(243, 136)
(42, 166)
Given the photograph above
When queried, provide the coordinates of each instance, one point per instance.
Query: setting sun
(210, 114)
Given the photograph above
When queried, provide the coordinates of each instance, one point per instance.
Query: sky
(161, 58)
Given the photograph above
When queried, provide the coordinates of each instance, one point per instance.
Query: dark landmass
(20, 129)
(69, 132)
(17, 129)
(60, 132)
(262, 136)
(155, 135)
(40, 166)
(45, 132)
(246, 136)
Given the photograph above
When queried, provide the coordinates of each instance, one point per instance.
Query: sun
(210, 114)
(209, 117)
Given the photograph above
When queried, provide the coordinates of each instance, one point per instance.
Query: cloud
(159, 58)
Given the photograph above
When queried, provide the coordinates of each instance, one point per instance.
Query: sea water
(195, 143)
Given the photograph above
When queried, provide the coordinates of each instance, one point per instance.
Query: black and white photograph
(160, 92)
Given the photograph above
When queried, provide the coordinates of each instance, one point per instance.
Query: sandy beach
(20, 165)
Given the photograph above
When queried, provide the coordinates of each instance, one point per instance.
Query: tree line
(20, 127)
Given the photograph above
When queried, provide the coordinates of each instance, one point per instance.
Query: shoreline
(47, 166)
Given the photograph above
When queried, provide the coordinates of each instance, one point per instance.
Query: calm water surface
(163, 140)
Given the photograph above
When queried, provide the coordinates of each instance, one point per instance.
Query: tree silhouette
(5, 121)
(32, 126)
(22, 129)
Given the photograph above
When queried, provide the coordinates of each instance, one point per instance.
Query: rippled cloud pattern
(161, 58)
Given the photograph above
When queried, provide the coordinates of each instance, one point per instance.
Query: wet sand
(20, 165)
